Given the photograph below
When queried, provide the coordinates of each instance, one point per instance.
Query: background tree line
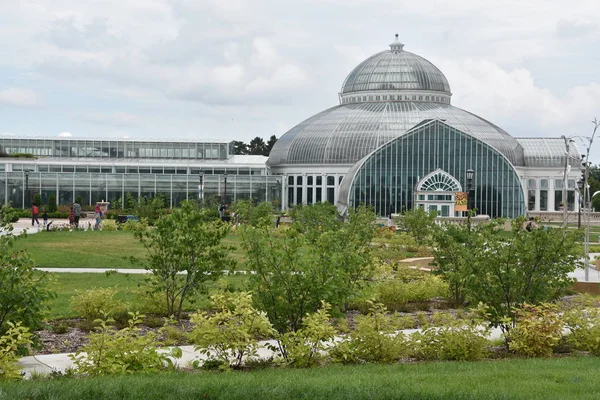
(256, 147)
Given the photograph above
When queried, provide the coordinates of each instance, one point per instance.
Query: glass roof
(396, 69)
(548, 152)
(345, 134)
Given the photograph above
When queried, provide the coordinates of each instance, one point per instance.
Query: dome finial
(396, 47)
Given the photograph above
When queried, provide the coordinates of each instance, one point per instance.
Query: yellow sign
(460, 203)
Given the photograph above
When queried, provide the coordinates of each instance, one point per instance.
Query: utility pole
(587, 199)
(568, 141)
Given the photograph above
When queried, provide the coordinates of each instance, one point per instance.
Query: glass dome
(383, 97)
(344, 134)
(395, 70)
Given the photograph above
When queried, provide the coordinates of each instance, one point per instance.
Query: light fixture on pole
(587, 199)
(225, 181)
(27, 188)
(201, 185)
(580, 185)
(568, 141)
(470, 174)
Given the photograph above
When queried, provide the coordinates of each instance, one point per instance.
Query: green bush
(584, 325)
(394, 294)
(461, 341)
(231, 333)
(16, 336)
(112, 352)
(304, 347)
(538, 331)
(109, 225)
(23, 290)
(52, 203)
(374, 340)
(93, 303)
(150, 302)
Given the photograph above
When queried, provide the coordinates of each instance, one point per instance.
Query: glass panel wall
(93, 187)
(386, 180)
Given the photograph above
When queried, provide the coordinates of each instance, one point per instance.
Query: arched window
(437, 181)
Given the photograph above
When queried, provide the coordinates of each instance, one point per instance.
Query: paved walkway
(48, 363)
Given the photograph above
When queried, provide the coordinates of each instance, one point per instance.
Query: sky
(236, 69)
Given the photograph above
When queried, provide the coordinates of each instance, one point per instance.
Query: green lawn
(93, 249)
(65, 284)
(558, 378)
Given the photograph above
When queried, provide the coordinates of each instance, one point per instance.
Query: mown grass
(65, 285)
(558, 378)
(94, 249)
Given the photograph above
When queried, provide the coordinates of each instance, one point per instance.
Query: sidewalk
(47, 363)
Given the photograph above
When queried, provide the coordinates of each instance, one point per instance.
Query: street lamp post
(580, 185)
(470, 175)
(201, 185)
(225, 194)
(587, 199)
(568, 141)
(27, 188)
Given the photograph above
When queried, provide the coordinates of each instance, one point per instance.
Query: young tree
(504, 270)
(184, 251)
(23, 290)
(523, 268)
(456, 250)
(257, 215)
(52, 203)
(315, 219)
(297, 270)
(419, 224)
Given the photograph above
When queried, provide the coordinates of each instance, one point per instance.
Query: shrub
(52, 203)
(538, 331)
(232, 333)
(150, 302)
(404, 322)
(373, 340)
(16, 336)
(461, 341)
(111, 352)
(109, 225)
(93, 303)
(394, 294)
(23, 291)
(419, 224)
(305, 347)
(59, 328)
(584, 325)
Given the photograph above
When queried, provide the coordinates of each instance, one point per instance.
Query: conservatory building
(395, 142)
(108, 169)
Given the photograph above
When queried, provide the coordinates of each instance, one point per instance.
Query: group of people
(74, 215)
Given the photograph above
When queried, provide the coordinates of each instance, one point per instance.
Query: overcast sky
(234, 69)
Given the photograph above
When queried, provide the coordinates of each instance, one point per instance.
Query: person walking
(45, 216)
(77, 212)
(71, 216)
(35, 212)
(98, 225)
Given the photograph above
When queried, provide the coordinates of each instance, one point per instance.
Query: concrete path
(48, 363)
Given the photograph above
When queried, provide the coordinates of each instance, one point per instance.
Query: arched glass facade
(387, 178)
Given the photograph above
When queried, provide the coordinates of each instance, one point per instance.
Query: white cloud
(19, 97)
(65, 134)
(254, 67)
(121, 119)
(500, 94)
